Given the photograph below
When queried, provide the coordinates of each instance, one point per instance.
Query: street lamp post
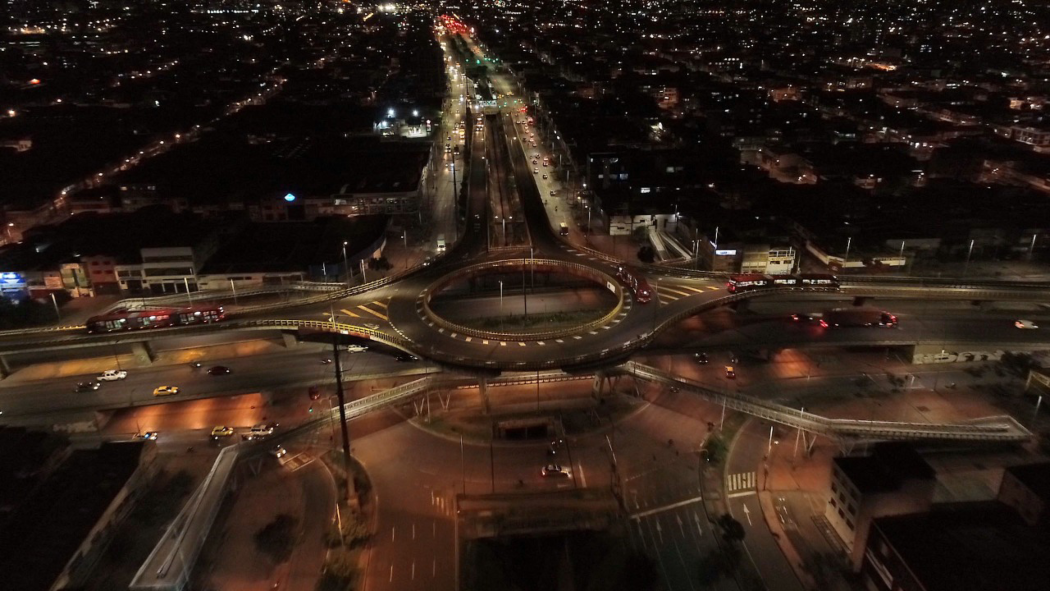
(902, 256)
(346, 265)
(58, 315)
(234, 288)
(501, 306)
(849, 241)
(966, 268)
(1031, 247)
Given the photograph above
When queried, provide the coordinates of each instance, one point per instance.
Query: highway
(298, 367)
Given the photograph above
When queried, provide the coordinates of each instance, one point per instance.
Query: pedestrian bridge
(995, 429)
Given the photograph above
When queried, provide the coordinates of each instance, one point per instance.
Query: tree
(646, 254)
(732, 530)
(716, 449)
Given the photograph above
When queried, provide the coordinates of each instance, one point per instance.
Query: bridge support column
(860, 301)
(290, 340)
(5, 369)
(484, 391)
(142, 352)
(599, 384)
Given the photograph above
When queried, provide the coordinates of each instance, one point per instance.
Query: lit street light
(346, 265)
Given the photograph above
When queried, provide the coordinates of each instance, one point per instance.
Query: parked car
(147, 436)
(221, 431)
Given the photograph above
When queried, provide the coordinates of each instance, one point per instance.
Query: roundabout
(475, 276)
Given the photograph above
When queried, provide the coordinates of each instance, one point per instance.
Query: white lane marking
(747, 513)
(746, 493)
(655, 510)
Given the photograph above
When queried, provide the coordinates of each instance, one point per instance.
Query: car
(88, 386)
(544, 177)
(221, 431)
(405, 357)
(556, 471)
(535, 171)
(278, 452)
(535, 162)
(730, 372)
(165, 390)
(700, 358)
(370, 325)
(259, 431)
(218, 370)
(147, 436)
(1025, 324)
(806, 317)
(356, 348)
(314, 392)
(112, 374)
(326, 361)
(553, 193)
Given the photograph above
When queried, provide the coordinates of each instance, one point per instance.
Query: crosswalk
(741, 481)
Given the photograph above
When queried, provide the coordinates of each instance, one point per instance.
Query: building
(893, 480)
(1027, 490)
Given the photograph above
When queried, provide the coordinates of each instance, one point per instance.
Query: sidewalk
(791, 494)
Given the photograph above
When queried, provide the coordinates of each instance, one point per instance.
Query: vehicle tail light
(823, 324)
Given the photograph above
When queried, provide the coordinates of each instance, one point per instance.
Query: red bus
(120, 320)
(636, 283)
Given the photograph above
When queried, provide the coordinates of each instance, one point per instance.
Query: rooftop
(969, 546)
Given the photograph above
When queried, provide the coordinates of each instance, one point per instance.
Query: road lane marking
(468, 339)
(540, 343)
(392, 533)
(413, 570)
(391, 573)
(558, 341)
(692, 289)
(577, 337)
(675, 291)
(713, 288)
(503, 343)
(350, 314)
(655, 510)
(453, 335)
(381, 304)
(747, 513)
(484, 342)
(746, 493)
(413, 530)
(372, 312)
(521, 344)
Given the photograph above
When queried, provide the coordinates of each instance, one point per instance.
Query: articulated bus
(636, 283)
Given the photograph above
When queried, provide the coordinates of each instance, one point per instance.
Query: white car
(356, 348)
(111, 375)
(1025, 324)
(278, 452)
